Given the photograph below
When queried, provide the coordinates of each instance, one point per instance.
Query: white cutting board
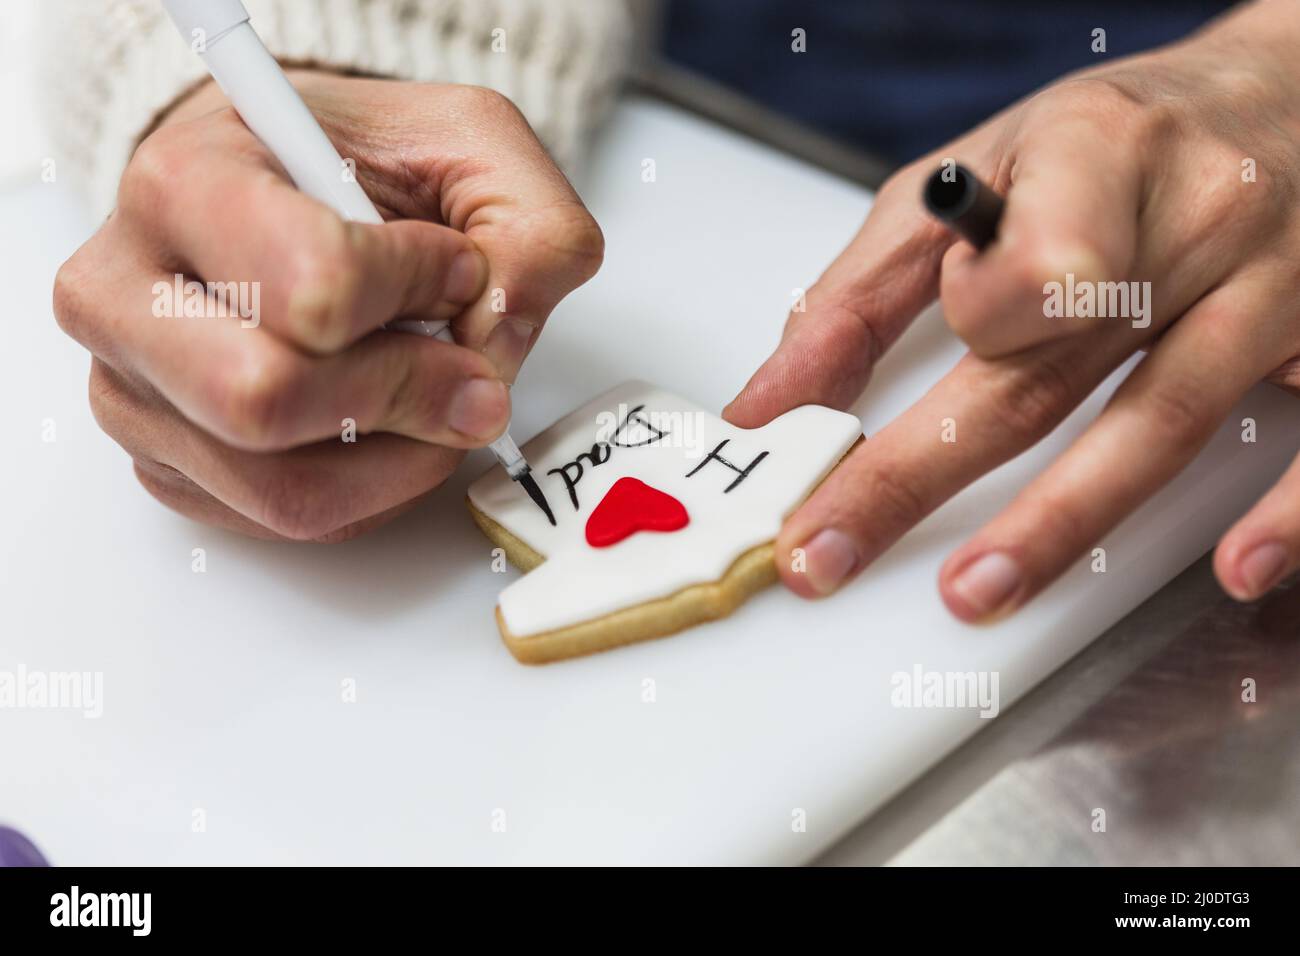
(222, 690)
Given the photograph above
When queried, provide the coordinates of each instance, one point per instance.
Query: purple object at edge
(17, 850)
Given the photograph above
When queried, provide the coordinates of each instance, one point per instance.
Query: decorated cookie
(658, 516)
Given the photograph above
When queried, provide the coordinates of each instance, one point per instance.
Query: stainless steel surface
(1149, 725)
(726, 107)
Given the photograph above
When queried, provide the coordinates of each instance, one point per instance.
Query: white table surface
(222, 690)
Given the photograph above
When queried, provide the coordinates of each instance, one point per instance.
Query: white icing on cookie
(640, 431)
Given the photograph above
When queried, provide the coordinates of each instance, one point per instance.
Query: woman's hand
(242, 418)
(1176, 173)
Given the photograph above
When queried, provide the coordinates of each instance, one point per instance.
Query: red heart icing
(631, 506)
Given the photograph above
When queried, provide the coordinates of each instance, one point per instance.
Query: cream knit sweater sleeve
(114, 65)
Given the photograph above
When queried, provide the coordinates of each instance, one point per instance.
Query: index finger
(864, 300)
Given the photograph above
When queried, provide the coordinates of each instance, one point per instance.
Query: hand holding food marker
(241, 428)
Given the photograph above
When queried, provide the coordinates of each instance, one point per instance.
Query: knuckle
(1115, 108)
(483, 100)
(108, 399)
(1101, 97)
(1221, 195)
(169, 486)
(301, 504)
(256, 401)
(476, 107)
(1162, 121)
(154, 169)
(848, 325)
(1230, 207)
(162, 474)
(1243, 87)
(73, 309)
(891, 491)
(1035, 397)
(1059, 520)
(324, 283)
(574, 235)
(406, 400)
(1179, 410)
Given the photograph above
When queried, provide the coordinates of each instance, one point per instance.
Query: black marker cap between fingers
(964, 202)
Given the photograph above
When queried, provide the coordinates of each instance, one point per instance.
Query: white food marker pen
(220, 32)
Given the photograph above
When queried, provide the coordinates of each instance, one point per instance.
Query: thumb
(404, 269)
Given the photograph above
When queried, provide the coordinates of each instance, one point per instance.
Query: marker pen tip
(529, 483)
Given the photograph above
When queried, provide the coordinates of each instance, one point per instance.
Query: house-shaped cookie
(662, 516)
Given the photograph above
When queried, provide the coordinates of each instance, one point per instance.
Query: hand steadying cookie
(1131, 171)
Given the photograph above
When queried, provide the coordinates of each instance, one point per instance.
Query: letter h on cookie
(741, 473)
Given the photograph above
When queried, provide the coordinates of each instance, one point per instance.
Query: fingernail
(987, 583)
(1262, 567)
(507, 346)
(465, 277)
(479, 409)
(830, 555)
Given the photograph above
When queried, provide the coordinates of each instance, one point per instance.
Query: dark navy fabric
(901, 77)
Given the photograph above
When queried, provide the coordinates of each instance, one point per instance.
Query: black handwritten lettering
(571, 472)
(635, 416)
(598, 455)
(741, 473)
